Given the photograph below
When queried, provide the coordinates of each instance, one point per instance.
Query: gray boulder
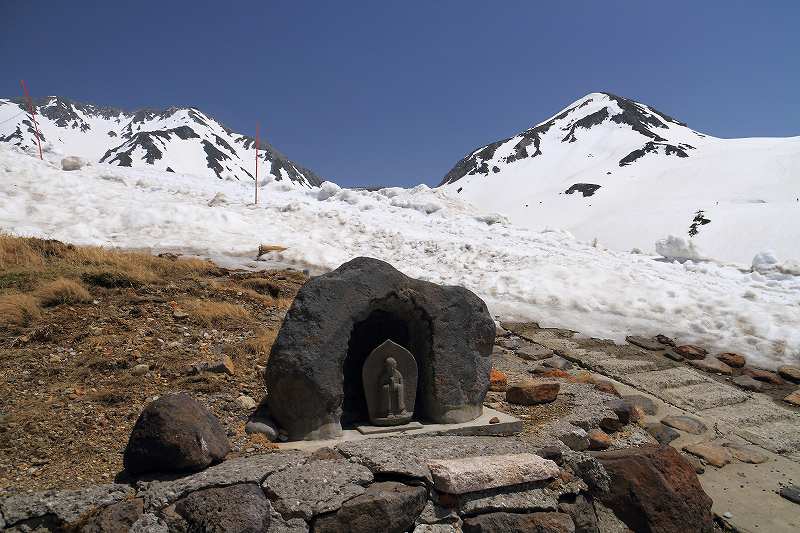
(234, 509)
(175, 434)
(116, 517)
(388, 507)
(529, 522)
(71, 163)
(313, 375)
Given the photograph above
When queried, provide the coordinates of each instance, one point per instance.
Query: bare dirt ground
(77, 326)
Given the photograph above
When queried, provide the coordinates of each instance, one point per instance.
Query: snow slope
(545, 276)
(654, 174)
(183, 140)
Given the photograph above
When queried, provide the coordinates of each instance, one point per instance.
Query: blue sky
(394, 93)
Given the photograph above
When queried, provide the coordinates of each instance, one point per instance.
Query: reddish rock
(498, 381)
(763, 375)
(654, 488)
(793, 398)
(690, 351)
(732, 359)
(531, 393)
(789, 372)
(715, 366)
(598, 439)
(606, 386)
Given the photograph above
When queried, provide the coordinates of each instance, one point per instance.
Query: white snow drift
(545, 276)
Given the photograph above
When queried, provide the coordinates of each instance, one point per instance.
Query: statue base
(394, 420)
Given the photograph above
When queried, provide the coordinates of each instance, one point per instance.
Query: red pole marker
(33, 116)
(256, 163)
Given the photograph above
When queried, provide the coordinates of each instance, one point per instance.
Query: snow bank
(545, 276)
(677, 248)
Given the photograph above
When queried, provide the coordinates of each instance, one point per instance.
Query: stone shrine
(440, 341)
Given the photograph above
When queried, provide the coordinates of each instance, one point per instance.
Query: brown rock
(611, 424)
(792, 373)
(690, 351)
(710, 453)
(654, 488)
(533, 522)
(223, 365)
(793, 398)
(498, 381)
(710, 364)
(531, 393)
(663, 339)
(685, 423)
(647, 405)
(494, 420)
(745, 454)
(732, 359)
(763, 375)
(116, 517)
(598, 439)
(606, 386)
(663, 434)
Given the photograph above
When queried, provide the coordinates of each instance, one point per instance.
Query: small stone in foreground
(791, 493)
(603, 385)
(663, 339)
(175, 434)
(470, 474)
(598, 439)
(792, 373)
(663, 434)
(711, 364)
(793, 398)
(690, 351)
(647, 405)
(498, 382)
(748, 383)
(685, 423)
(572, 436)
(745, 454)
(763, 375)
(731, 359)
(532, 393)
(710, 453)
(644, 342)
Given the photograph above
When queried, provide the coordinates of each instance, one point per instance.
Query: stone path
(749, 415)
(744, 494)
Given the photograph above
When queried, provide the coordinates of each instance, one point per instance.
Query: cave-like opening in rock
(396, 319)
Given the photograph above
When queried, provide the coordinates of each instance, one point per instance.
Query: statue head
(390, 363)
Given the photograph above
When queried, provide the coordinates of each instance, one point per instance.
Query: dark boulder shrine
(367, 345)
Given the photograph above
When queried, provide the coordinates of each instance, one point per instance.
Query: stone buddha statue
(389, 377)
(392, 395)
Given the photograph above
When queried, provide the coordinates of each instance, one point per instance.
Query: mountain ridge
(176, 139)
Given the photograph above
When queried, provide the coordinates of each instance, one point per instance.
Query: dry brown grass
(16, 252)
(211, 313)
(261, 344)
(21, 256)
(18, 310)
(62, 291)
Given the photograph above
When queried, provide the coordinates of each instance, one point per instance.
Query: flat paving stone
(534, 352)
(779, 437)
(685, 423)
(621, 367)
(658, 380)
(471, 474)
(703, 396)
(753, 412)
(710, 453)
(304, 491)
(713, 365)
(748, 383)
(746, 454)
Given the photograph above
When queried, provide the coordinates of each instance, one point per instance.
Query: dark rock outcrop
(314, 371)
(388, 506)
(655, 488)
(234, 509)
(531, 522)
(175, 434)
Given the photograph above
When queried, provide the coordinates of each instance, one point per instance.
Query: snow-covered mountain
(182, 140)
(613, 169)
